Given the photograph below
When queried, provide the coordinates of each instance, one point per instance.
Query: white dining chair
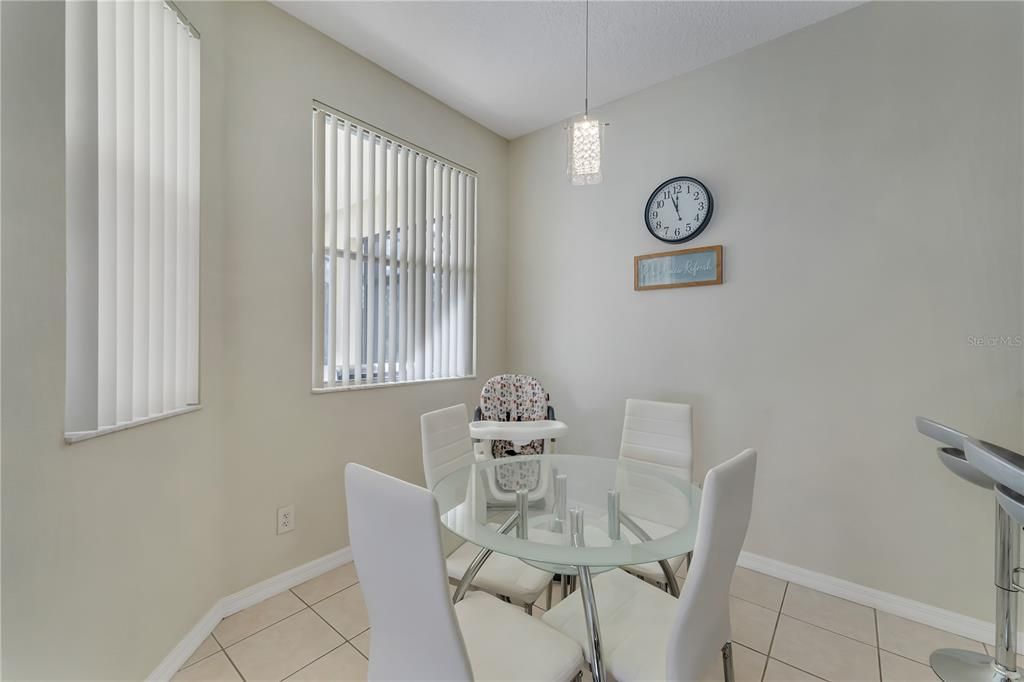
(660, 436)
(648, 635)
(418, 634)
(446, 448)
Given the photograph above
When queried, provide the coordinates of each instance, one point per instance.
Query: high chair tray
(518, 432)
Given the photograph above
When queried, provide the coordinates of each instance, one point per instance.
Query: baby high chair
(516, 418)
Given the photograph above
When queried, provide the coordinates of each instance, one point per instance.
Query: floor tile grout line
(794, 667)
(771, 642)
(823, 630)
(332, 627)
(906, 658)
(199, 660)
(318, 601)
(822, 627)
(353, 643)
(305, 606)
(744, 599)
(311, 603)
(878, 646)
(251, 634)
(782, 607)
(232, 662)
(326, 653)
(292, 590)
(831, 632)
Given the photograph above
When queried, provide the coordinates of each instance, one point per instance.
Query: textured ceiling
(518, 66)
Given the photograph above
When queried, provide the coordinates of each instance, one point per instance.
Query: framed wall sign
(683, 268)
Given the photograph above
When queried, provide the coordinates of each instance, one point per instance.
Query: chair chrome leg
(478, 562)
(578, 677)
(550, 584)
(672, 585)
(730, 674)
(565, 586)
(528, 608)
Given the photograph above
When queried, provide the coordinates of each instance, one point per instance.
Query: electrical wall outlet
(286, 519)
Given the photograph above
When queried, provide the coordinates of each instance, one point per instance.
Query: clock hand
(675, 202)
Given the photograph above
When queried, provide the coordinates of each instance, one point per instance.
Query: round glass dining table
(574, 515)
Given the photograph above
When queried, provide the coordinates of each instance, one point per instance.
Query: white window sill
(337, 388)
(78, 436)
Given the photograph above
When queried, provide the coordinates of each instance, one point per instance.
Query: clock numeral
(661, 204)
(654, 214)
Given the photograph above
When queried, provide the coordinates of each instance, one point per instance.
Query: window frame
(320, 298)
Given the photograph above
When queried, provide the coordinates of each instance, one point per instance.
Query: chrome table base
(957, 665)
(589, 602)
(518, 521)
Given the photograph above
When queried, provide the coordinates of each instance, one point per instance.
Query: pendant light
(586, 135)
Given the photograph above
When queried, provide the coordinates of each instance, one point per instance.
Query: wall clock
(679, 210)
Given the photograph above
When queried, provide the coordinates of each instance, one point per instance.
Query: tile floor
(783, 633)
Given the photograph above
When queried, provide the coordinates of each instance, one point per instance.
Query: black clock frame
(700, 228)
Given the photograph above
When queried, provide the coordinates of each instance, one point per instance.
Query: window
(132, 178)
(394, 239)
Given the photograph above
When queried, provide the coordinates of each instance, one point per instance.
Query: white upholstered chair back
(415, 632)
(702, 627)
(656, 440)
(446, 442)
(659, 434)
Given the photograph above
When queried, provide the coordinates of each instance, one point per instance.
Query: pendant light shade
(586, 137)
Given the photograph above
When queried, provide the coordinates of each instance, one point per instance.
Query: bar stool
(994, 468)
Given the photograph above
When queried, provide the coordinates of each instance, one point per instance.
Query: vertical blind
(133, 212)
(394, 252)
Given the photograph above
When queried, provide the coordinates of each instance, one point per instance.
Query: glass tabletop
(657, 509)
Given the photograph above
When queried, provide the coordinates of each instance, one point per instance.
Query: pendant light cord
(586, 67)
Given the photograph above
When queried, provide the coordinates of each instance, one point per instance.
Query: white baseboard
(254, 594)
(919, 612)
(187, 646)
(233, 603)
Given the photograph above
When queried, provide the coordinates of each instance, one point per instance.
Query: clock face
(679, 210)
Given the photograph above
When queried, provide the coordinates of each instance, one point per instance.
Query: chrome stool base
(958, 665)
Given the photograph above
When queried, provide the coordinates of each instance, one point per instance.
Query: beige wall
(115, 547)
(286, 445)
(867, 175)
